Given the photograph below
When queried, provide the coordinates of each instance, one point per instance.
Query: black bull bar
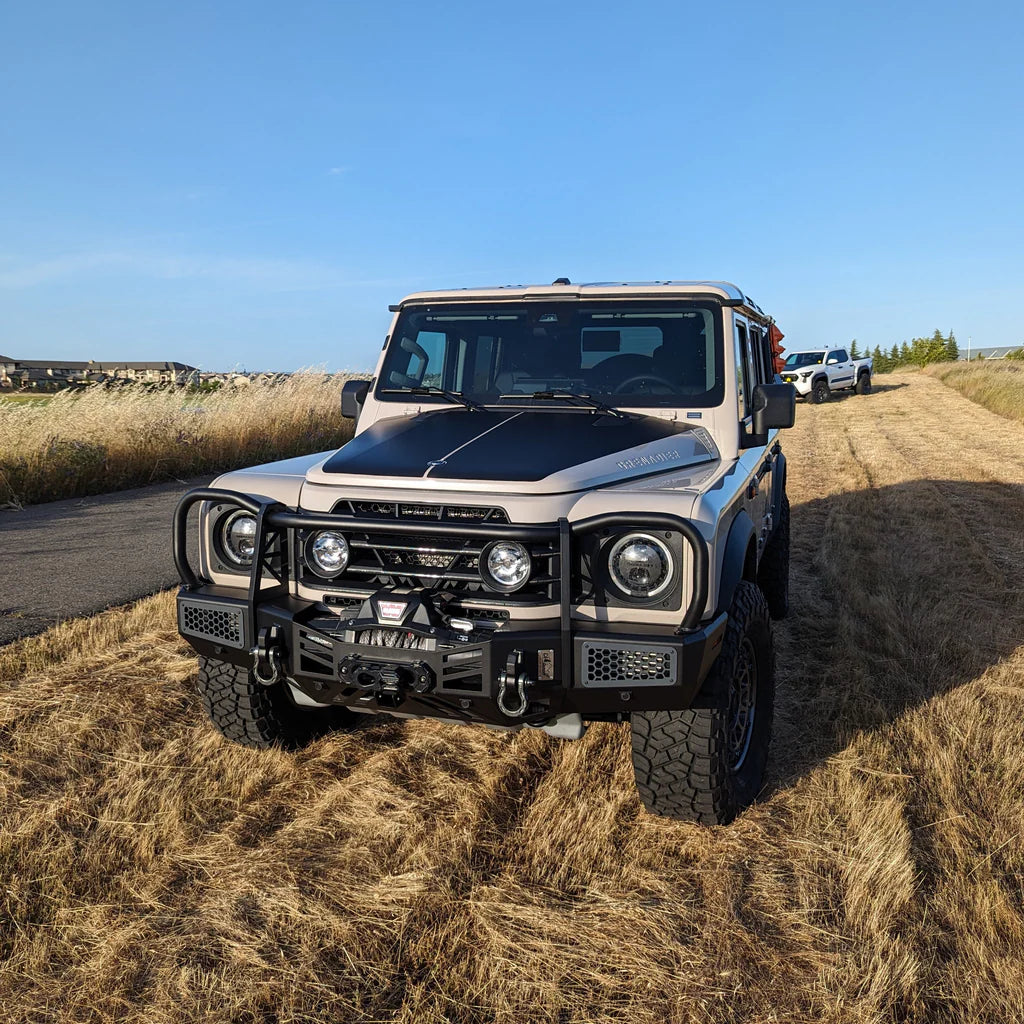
(274, 520)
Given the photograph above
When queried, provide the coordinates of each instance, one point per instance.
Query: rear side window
(744, 374)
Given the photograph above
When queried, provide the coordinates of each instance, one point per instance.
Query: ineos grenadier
(563, 504)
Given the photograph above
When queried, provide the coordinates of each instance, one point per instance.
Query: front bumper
(455, 675)
(803, 387)
(540, 669)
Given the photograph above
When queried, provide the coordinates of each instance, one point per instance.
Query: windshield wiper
(430, 389)
(588, 401)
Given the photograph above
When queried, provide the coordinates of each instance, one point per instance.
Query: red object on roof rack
(775, 336)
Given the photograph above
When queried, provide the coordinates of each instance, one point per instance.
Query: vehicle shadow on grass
(898, 594)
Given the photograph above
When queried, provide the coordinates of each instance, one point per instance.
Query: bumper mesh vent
(220, 623)
(621, 663)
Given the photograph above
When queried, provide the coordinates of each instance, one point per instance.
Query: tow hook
(512, 679)
(266, 655)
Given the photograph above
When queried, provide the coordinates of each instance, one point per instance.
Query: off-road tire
(681, 759)
(863, 386)
(254, 715)
(773, 573)
(820, 392)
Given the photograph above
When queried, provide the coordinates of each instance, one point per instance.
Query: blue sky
(251, 184)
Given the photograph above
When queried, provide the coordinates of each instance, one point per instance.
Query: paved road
(76, 557)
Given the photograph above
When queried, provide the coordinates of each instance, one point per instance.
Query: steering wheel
(650, 378)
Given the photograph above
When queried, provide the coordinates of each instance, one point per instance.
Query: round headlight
(238, 537)
(507, 564)
(640, 565)
(328, 552)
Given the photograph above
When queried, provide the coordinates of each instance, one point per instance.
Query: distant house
(988, 352)
(45, 373)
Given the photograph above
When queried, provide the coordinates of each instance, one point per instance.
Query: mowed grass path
(421, 872)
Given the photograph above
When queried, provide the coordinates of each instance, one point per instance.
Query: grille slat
(413, 511)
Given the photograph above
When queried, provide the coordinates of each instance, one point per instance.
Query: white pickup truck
(818, 372)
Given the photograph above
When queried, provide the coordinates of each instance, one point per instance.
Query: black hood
(523, 445)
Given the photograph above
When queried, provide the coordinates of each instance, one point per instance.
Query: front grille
(222, 623)
(449, 561)
(622, 663)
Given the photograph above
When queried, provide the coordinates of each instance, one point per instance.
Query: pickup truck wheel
(773, 573)
(863, 384)
(254, 715)
(707, 763)
(820, 392)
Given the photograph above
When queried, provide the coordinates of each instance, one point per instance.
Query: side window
(764, 374)
(744, 376)
(838, 356)
(768, 356)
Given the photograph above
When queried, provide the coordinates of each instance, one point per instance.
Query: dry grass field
(996, 384)
(104, 439)
(424, 873)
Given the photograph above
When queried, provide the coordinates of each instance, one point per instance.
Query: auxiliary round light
(329, 553)
(238, 537)
(507, 564)
(640, 565)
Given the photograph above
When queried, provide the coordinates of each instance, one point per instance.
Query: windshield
(797, 359)
(633, 354)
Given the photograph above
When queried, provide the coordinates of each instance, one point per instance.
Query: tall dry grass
(150, 872)
(996, 384)
(106, 439)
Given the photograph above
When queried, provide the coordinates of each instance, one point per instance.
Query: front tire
(246, 712)
(820, 392)
(706, 764)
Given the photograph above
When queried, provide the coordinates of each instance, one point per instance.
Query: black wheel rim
(742, 705)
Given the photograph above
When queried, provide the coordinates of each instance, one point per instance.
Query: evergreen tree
(952, 348)
(904, 355)
(894, 355)
(854, 353)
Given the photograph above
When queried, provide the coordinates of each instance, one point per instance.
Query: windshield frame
(388, 392)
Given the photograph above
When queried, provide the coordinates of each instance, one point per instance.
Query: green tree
(905, 356)
(952, 348)
(854, 352)
(894, 355)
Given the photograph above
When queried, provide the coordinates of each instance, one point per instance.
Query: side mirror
(773, 407)
(353, 394)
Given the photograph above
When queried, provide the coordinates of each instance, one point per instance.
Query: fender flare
(778, 486)
(820, 376)
(734, 561)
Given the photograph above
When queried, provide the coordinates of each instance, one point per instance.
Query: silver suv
(563, 504)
